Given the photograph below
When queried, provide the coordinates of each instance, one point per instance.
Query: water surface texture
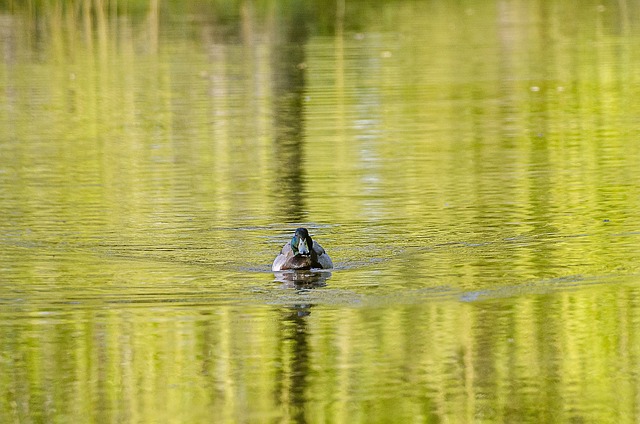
(472, 168)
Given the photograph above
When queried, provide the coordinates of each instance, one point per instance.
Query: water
(471, 170)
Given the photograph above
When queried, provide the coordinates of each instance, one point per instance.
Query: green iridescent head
(301, 243)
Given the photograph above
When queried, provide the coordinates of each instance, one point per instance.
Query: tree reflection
(288, 63)
(296, 347)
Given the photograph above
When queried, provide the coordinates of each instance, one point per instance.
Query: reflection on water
(303, 279)
(296, 338)
(465, 361)
(471, 169)
(288, 62)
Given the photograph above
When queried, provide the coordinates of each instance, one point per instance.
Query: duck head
(301, 243)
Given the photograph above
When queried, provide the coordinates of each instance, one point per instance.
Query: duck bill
(303, 248)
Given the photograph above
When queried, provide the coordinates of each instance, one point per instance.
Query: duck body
(302, 253)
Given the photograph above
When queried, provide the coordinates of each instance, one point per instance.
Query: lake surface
(472, 168)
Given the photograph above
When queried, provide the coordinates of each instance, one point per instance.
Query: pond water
(472, 168)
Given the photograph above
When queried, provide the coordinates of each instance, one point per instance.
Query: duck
(301, 253)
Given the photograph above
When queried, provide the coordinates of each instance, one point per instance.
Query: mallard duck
(302, 253)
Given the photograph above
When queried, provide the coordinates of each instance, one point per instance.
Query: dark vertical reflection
(288, 89)
(296, 335)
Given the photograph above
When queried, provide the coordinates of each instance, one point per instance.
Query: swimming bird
(302, 253)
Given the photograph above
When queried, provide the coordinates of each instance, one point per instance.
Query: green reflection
(288, 62)
(493, 361)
